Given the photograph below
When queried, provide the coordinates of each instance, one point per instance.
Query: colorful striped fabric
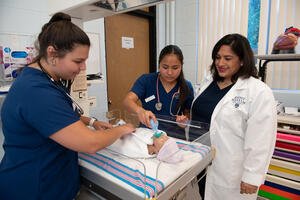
(283, 179)
(287, 156)
(274, 193)
(133, 177)
(285, 164)
(283, 137)
(284, 172)
(282, 188)
(288, 147)
(202, 150)
(284, 169)
(268, 195)
(289, 171)
(283, 184)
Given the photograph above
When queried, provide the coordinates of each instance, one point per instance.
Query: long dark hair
(184, 90)
(241, 47)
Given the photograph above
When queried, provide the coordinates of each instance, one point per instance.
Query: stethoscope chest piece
(158, 106)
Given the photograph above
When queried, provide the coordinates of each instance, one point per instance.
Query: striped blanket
(142, 181)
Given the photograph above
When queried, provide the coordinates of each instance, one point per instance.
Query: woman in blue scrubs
(42, 130)
(165, 94)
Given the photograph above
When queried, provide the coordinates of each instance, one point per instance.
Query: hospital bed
(116, 176)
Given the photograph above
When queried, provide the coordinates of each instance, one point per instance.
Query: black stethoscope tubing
(59, 87)
(158, 105)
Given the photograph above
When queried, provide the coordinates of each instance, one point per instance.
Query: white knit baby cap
(169, 152)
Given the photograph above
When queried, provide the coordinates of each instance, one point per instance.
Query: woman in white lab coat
(242, 115)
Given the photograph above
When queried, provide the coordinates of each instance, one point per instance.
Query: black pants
(201, 183)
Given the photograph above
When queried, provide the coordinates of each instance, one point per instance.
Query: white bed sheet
(128, 173)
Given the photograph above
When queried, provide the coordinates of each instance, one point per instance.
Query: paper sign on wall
(127, 42)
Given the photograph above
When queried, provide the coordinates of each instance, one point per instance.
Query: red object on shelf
(288, 146)
(295, 139)
(293, 30)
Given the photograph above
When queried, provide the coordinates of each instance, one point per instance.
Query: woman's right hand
(145, 116)
(127, 129)
(247, 188)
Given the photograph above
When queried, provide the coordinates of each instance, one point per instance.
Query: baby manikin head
(166, 149)
(158, 143)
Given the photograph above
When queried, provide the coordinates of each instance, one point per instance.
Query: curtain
(216, 19)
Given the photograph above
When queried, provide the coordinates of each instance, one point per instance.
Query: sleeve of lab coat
(260, 136)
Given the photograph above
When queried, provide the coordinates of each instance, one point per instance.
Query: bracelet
(92, 120)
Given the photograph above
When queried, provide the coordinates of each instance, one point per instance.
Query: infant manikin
(142, 144)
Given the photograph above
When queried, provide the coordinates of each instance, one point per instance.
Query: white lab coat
(243, 132)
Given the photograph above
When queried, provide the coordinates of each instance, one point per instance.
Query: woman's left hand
(99, 125)
(247, 188)
(182, 120)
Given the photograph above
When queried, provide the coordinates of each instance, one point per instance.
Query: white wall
(22, 17)
(186, 29)
(28, 17)
(177, 24)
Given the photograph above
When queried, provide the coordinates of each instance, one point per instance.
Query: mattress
(144, 178)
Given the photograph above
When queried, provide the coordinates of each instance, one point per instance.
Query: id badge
(149, 98)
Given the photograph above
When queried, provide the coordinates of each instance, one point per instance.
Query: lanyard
(79, 110)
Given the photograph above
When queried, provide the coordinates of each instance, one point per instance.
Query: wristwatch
(92, 120)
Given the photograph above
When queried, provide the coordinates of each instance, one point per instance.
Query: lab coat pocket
(224, 170)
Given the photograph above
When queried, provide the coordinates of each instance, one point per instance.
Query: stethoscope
(60, 86)
(158, 105)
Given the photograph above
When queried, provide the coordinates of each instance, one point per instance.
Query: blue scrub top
(204, 106)
(145, 89)
(34, 166)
